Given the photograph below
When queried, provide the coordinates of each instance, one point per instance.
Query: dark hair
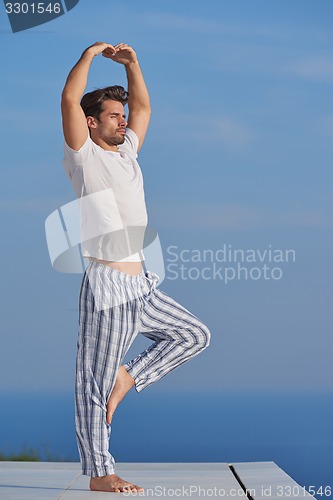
(92, 102)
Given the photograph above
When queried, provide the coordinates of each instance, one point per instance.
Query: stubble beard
(116, 141)
(112, 140)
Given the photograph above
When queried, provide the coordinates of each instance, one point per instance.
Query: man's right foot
(114, 483)
(124, 382)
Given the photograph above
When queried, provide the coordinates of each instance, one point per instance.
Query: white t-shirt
(112, 202)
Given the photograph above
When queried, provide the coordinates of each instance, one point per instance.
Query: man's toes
(127, 488)
(138, 488)
(131, 487)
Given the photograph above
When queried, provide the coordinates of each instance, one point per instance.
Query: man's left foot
(113, 483)
(124, 382)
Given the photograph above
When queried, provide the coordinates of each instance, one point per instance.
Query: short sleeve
(131, 143)
(74, 159)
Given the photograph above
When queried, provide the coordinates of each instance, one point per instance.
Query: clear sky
(238, 156)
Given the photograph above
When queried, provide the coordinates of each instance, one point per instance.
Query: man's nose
(123, 122)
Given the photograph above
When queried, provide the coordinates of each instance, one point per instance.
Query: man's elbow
(68, 99)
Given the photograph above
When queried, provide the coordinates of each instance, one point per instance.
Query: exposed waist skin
(133, 268)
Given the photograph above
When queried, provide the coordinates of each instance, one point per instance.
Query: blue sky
(239, 153)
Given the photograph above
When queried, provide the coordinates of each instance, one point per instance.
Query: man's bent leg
(178, 336)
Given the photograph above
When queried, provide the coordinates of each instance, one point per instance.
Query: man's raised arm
(139, 102)
(74, 121)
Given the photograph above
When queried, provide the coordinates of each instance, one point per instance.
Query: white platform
(64, 481)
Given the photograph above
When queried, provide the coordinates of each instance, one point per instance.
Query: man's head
(104, 110)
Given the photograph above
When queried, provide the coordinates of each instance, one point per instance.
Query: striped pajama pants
(113, 308)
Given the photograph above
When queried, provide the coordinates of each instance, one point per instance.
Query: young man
(118, 298)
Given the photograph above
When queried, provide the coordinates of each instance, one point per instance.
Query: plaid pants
(114, 307)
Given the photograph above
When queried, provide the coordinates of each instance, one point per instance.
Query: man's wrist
(132, 63)
(88, 54)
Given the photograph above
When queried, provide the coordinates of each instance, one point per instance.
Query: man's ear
(91, 122)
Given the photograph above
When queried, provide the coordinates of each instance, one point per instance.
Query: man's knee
(205, 336)
(201, 337)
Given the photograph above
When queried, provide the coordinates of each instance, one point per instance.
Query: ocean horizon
(294, 430)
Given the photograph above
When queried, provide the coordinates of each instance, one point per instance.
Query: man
(118, 297)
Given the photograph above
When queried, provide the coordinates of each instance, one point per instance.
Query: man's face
(110, 127)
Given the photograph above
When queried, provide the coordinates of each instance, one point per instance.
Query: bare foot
(123, 384)
(112, 483)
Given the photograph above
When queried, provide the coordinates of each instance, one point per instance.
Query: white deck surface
(56, 480)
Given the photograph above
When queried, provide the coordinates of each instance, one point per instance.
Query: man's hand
(98, 47)
(120, 53)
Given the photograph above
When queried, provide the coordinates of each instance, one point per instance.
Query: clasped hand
(121, 53)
